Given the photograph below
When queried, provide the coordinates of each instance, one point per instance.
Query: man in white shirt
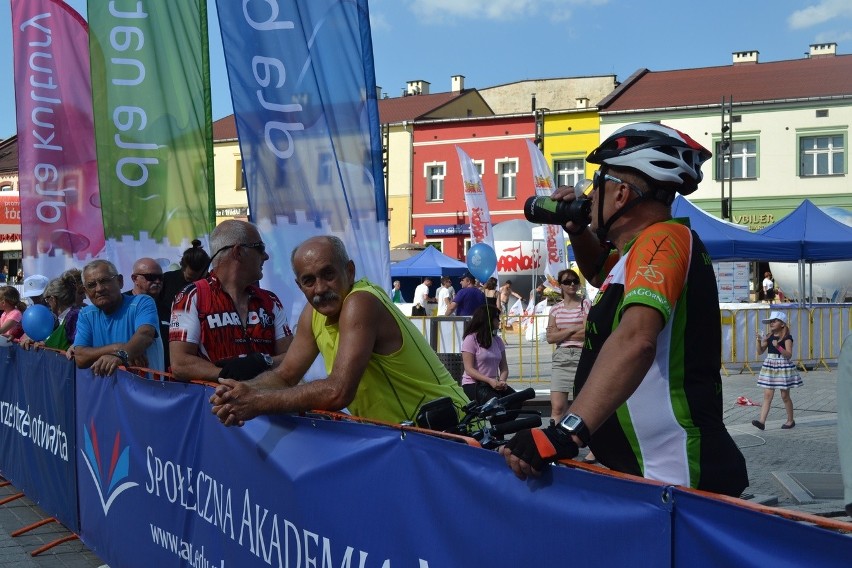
(445, 295)
(421, 293)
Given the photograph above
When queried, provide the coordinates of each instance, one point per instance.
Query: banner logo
(107, 482)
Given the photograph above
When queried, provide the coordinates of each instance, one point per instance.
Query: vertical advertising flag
(553, 236)
(151, 88)
(303, 86)
(60, 209)
(481, 230)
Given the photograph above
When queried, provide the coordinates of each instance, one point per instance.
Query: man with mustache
(224, 325)
(116, 330)
(378, 365)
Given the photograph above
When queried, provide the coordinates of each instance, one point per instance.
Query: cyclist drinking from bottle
(649, 392)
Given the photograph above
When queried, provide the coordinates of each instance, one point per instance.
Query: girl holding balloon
(60, 295)
(12, 308)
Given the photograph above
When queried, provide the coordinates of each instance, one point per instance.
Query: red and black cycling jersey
(204, 314)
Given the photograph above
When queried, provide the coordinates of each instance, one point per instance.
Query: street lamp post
(727, 165)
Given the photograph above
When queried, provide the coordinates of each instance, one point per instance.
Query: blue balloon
(481, 261)
(38, 322)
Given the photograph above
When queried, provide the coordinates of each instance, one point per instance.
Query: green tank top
(393, 386)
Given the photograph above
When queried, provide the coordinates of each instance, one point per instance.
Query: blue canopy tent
(727, 242)
(817, 236)
(430, 262)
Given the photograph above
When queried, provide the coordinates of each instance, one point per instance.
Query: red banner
(61, 218)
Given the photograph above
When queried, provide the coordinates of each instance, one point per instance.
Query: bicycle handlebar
(522, 423)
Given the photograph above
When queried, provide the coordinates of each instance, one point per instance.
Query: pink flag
(481, 230)
(553, 237)
(61, 223)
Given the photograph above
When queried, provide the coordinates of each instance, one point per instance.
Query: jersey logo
(648, 272)
(223, 319)
(261, 317)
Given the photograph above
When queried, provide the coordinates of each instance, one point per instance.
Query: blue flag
(303, 87)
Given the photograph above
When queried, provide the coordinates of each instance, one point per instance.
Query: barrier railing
(818, 333)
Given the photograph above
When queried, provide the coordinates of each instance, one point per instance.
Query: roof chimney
(378, 92)
(418, 87)
(823, 50)
(457, 83)
(582, 102)
(745, 57)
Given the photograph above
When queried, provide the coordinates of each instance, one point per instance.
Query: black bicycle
(488, 423)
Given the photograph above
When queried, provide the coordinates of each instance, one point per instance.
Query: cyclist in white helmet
(648, 397)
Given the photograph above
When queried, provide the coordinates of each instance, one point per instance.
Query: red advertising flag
(61, 222)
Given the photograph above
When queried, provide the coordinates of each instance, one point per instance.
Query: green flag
(153, 127)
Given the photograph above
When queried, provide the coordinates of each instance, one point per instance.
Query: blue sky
(492, 42)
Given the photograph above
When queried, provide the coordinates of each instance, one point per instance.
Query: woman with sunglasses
(566, 329)
(60, 295)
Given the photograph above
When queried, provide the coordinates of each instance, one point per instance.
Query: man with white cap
(34, 288)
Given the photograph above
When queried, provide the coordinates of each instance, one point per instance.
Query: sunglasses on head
(150, 277)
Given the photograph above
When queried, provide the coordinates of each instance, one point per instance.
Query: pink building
(497, 145)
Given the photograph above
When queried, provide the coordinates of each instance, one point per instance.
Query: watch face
(572, 422)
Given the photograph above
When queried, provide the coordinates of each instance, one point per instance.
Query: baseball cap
(775, 316)
(34, 285)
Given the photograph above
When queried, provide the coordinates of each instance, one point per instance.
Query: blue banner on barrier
(715, 533)
(162, 481)
(37, 429)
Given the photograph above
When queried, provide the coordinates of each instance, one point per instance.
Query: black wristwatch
(573, 424)
(122, 354)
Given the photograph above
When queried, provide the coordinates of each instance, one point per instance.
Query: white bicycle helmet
(662, 153)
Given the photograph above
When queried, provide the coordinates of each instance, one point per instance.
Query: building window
(437, 244)
(6, 186)
(569, 172)
(480, 167)
(507, 171)
(821, 155)
(743, 160)
(435, 181)
(241, 176)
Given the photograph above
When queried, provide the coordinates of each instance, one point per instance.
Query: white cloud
(820, 13)
(451, 10)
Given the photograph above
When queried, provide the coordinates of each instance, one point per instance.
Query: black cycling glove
(243, 368)
(542, 445)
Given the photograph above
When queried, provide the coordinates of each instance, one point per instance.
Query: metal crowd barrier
(818, 332)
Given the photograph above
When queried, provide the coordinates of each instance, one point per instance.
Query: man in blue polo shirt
(116, 330)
